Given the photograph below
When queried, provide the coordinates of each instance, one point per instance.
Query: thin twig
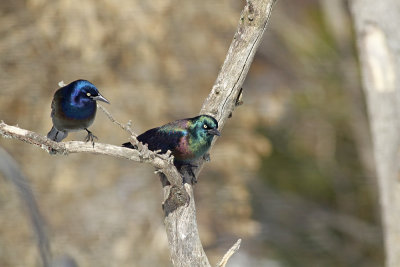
(126, 127)
(229, 253)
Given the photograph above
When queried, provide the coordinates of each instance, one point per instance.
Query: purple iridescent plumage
(187, 139)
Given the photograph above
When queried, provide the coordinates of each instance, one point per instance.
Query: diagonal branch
(229, 253)
(220, 103)
(227, 91)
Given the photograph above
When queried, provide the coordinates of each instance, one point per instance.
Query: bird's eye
(205, 126)
(88, 94)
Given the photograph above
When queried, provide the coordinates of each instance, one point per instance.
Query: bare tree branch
(179, 206)
(126, 127)
(220, 103)
(229, 253)
(227, 91)
(163, 162)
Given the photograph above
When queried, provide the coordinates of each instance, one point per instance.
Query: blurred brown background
(291, 174)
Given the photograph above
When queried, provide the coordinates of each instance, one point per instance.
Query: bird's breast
(70, 117)
(82, 111)
(183, 150)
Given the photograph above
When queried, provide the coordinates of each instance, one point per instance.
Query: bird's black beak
(99, 97)
(214, 132)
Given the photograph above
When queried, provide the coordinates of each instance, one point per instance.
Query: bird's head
(204, 126)
(85, 91)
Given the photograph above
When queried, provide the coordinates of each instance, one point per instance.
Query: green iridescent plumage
(187, 139)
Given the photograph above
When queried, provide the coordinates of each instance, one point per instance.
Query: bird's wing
(57, 98)
(53, 108)
(161, 138)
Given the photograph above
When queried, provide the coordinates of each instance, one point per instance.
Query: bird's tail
(129, 145)
(56, 135)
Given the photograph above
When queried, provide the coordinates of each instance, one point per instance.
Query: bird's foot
(191, 165)
(194, 178)
(90, 137)
(190, 175)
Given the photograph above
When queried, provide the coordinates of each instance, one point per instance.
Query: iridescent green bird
(187, 139)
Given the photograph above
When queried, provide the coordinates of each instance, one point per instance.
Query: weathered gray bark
(179, 207)
(220, 103)
(378, 38)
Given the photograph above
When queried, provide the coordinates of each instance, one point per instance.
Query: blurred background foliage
(292, 174)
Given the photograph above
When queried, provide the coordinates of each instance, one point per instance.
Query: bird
(187, 139)
(74, 108)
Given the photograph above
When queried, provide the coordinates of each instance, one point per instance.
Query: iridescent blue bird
(74, 108)
(187, 139)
